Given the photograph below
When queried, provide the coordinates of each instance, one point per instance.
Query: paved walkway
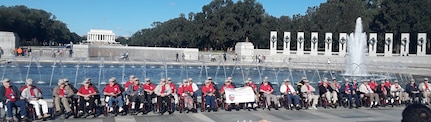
(321, 115)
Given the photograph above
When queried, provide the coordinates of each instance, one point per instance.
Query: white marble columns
(342, 44)
(422, 42)
(405, 44)
(328, 44)
(314, 43)
(286, 43)
(372, 45)
(101, 36)
(300, 43)
(388, 44)
(273, 43)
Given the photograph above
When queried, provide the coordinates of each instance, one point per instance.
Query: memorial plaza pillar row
(314, 43)
(388, 44)
(342, 44)
(422, 41)
(286, 43)
(405, 43)
(372, 45)
(300, 44)
(328, 44)
(273, 43)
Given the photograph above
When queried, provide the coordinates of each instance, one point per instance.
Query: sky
(126, 17)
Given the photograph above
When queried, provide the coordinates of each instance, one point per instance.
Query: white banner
(240, 95)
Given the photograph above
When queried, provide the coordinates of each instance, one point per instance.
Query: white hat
(162, 79)
(425, 79)
(169, 78)
(249, 79)
(29, 81)
(61, 81)
(304, 78)
(306, 81)
(66, 80)
(266, 79)
(112, 79)
(185, 80)
(132, 76)
(229, 78)
(147, 79)
(88, 79)
(136, 79)
(190, 79)
(85, 81)
(209, 78)
(6, 80)
(286, 80)
(396, 81)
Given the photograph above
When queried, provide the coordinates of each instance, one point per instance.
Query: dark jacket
(3, 93)
(379, 89)
(349, 87)
(322, 89)
(410, 89)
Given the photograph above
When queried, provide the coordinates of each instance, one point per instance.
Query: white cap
(112, 79)
(61, 81)
(147, 79)
(29, 81)
(6, 80)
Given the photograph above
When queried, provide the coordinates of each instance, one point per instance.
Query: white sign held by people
(240, 95)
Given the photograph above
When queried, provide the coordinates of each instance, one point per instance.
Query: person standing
(10, 96)
(29, 52)
(1, 52)
(70, 52)
(177, 57)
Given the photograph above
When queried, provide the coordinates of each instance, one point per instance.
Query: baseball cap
(286, 80)
(29, 81)
(6, 80)
(425, 79)
(209, 78)
(169, 78)
(395, 81)
(112, 79)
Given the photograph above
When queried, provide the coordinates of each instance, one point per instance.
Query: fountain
(356, 43)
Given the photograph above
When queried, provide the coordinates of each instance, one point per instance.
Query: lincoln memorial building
(101, 36)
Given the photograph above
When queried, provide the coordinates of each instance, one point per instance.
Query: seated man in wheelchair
(398, 94)
(163, 92)
(347, 90)
(149, 95)
(34, 97)
(383, 92)
(267, 90)
(62, 94)
(113, 93)
(174, 93)
(208, 93)
(289, 93)
(227, 85)
(86, 95)
(365, 89)
(328, 93)
(309, 94)
(11, 97)
(252, 105)
(135, 93)
(413, 90)
(186, 95)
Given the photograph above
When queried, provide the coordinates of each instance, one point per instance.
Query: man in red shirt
(149, 94)
(184, 91)
(174, 93)
(208, 93)
(130, 82)
(267, 90)
(86, 94)
(112, 93)
(373, 84)
(10, 96)
(227, 85)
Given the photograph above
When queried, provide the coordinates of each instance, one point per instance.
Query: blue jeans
(19, 103)
(295, 97)
(210, 100)
(119, 101)
(350, 96)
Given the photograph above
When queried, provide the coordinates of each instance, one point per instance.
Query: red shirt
(163, 89)
(173, 87)
(150, 87)
(252, 85)
(181, 89)
(225, 87)
(61, 91)
(32, 93)
(112, 89)
(372, 85)
(267, 88)
(86, 91)
(135, 87)
(128, 83)
(209, 89)
(10, 95)
(388, 84)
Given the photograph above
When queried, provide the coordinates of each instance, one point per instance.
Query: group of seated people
(141, 97)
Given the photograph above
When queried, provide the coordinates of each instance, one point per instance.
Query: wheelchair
(115, 107)
(203, 104)
(73, 101)
(17, 114)
(163, 106)
(263, 104)
(323, 101)
(85, 112)
(182, 105)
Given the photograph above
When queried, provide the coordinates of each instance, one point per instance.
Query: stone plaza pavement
(387, 114)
